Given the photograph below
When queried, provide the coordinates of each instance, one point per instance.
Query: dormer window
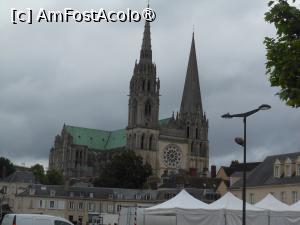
(43, 188)
(147, 197)
(288, 170)
(277, 168)
(276, 171)
(52, 193)
(31, 191)
(120, 196)
(298, 166)
(298, 169)
(288, 167)
(137, 196)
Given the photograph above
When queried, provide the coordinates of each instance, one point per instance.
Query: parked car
(33, 219)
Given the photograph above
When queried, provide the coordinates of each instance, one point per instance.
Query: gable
(222, 174)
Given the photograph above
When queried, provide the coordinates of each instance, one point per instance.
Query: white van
(33, 219)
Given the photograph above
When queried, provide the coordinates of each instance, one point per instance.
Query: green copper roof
(92, 138)
(116, 139)
(164, 121)
(100, 139)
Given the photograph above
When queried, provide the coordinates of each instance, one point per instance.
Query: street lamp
(242, 142)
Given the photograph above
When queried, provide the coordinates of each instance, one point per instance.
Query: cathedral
(171, 145)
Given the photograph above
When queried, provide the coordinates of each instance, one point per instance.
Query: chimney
(213, 171)
(67, 184)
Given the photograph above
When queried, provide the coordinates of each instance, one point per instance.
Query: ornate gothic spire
(191, 98)
(146, 52)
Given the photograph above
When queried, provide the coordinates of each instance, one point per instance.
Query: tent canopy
(230, 202)
(271, 203)
(186, 209)
(182, 200)
(295, 206)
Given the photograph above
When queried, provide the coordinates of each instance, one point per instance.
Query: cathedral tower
(143, 129)
(191, 116)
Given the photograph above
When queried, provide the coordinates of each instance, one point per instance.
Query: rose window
(172, 156)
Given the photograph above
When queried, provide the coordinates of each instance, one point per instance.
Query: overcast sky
(79, 74)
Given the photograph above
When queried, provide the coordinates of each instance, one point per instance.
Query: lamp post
(242, 142)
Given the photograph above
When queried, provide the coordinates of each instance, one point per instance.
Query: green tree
(54, 177)
(39, 173)
(6, 167)
(124, 171)
(283, 51)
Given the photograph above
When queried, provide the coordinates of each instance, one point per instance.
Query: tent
(295, 206)
(279, 212)
(183, 200)
(184, 209)
(272, 203)
(230, 202)
(135, 215)
(233, 207)
(187, 210)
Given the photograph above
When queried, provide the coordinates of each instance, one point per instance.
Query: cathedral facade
(171, 145)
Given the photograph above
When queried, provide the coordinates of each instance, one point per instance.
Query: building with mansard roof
(177, 143)
(278, 175)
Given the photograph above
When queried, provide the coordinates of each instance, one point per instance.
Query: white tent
(183, 200)
(272, 203)
(230, 202)
(233, 207)
(134, 215)
(295, 206)
(279, 212)
(187, 211)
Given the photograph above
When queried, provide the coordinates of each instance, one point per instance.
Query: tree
(54, 177)
(39, 173)
(6, 167)
(283, 52)
(124, 171)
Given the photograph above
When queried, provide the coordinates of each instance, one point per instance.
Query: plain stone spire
(191, 98)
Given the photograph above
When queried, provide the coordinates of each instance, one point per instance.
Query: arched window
(134, 113)
(188, 132)
(196, 132)
(151, 142)
(148, 85)
(148, 108)
(129, 142)
(134, 141)
(76, 158)
(143, 86)
(142, 141)
(80, 158)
